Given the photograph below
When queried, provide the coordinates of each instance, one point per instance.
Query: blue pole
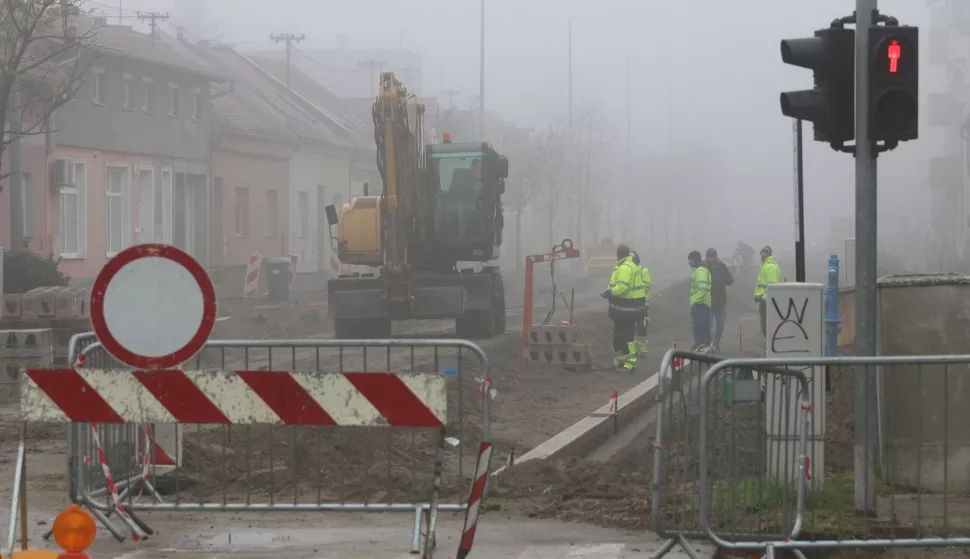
(832, 309)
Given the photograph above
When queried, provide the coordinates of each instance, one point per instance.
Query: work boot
(619, 361)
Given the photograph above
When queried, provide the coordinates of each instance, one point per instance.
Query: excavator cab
(467, 181)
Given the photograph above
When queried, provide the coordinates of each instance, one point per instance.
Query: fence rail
(262, 467)
(749, 457)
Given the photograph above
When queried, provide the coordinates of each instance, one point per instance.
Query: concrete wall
(33, 160)
(259, 167)
(93, 251)
(924, 419)
(110, 126)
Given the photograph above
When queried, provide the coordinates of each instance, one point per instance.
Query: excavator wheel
(498, 305)
(475, 325)
(362, 328)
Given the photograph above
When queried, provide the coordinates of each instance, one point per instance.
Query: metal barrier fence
(287, 468)
(722, 416)
(750, 494)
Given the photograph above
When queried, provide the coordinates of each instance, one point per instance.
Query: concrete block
(553, 335)
(72, 302)
(12, 367)
(11, 306)
(570, 355)
(39, 303)
(25, 343)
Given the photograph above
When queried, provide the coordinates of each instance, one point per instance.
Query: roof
(121, 40)
(240, 110)
(351, 126)
(243, 112)
(258, 97)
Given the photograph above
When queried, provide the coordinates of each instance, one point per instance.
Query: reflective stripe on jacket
(700, 287)
(770, 273)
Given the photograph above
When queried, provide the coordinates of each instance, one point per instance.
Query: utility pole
(628, 210)
(481, 78)
(372, 64)
(18, 198)
(154, 17)
(866, 430)
(570, 142)
(289, 39)
(120, 11)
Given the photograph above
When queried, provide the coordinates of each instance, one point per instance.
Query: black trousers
(624, 330)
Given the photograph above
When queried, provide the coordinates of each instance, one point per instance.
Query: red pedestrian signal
(894, 83)
(894, 52)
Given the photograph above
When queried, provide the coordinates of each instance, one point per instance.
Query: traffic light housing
(893, 83)
(830, 105)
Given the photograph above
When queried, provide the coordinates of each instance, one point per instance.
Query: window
(272, 215)
(129, 93)
(163, 211)
(197, 106)
(116, 192)
(98, 85)
(146, 99)
(173, 99)
(241, 216)
(72, 212)
(304, 199)
(26, 203)
(146, 205)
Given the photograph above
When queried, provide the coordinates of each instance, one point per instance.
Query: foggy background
(706, 131)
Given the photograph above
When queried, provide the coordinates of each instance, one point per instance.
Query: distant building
(353, 73)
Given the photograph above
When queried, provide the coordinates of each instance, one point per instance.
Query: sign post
(153, 308)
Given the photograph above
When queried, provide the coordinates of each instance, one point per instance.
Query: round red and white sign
(153, 306)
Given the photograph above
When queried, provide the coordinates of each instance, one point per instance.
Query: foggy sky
(709, 71)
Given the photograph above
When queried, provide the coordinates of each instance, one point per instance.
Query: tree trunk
(518, 240)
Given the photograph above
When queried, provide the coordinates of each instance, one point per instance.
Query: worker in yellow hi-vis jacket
(640, 340)
(626, 307)
(700, 301)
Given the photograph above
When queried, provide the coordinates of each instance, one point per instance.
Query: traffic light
(894, 83)
(830, 106)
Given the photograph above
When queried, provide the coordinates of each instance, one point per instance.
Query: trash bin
(278, 278)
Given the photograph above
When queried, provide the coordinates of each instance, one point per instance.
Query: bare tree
(529, 153)
(40, 47)
(591, 196)
(552, 175)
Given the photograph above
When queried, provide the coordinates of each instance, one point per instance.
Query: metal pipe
(866, 198)
(832, 308)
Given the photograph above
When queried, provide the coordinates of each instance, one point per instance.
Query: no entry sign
(153, 307)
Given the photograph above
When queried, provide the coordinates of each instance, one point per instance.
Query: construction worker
(626, 306)
(640, 340)
(700, 301)
(770, 273)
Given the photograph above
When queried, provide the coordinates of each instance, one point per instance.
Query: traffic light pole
(800, 203)
(866, 425)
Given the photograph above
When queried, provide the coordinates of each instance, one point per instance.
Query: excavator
(440, 206)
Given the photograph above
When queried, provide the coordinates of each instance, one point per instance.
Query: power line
(325, 66)
(289, 39)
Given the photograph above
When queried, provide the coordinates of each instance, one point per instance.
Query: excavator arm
(398, 126)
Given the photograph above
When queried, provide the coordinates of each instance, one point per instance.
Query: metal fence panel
(922, 469)
(710, 458)
(288, 468)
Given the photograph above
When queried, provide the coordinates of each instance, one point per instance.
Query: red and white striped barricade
(251, 286)
(242, 400)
